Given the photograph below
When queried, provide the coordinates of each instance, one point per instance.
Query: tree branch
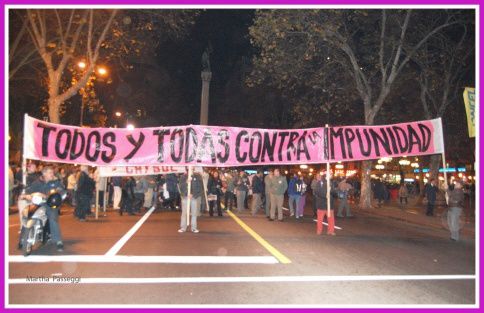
(394, 72)
(382, 47)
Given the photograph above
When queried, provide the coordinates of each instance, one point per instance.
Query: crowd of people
(211, 190)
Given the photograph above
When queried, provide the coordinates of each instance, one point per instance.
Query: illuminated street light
(102, 71)
(81, 65)
(118, 114)
(130, 127)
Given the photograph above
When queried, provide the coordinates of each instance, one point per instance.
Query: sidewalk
(414, 213)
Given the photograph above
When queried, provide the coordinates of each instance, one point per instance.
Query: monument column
(206, 77)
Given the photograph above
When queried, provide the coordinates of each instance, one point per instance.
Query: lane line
(115, 249)
(143, 259)
(250, 279)
(324, 223)
(278, 255)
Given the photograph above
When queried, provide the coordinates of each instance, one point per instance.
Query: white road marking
(115, 249)
(142, 259)
(250, 279)
(337, 227)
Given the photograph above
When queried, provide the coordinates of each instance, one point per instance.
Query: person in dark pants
(172, 188)
(85, 189)
(214, 190)
(229, 193)
(257, 192)
(139, 192)
(380, 192)
(127, 196)
(431, 194)
(314, 184)
(45, 185)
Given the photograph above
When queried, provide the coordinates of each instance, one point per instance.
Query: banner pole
(97, 198)
(205, 193)
(189, 191)
(445, 177)
(328, 182)
(105, 195)
(24, 160)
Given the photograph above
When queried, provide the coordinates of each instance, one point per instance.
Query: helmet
(54, 200)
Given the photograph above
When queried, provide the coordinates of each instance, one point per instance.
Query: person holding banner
(320, 193)
(196, 190)
(277, 188)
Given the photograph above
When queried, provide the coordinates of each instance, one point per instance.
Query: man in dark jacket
(257, 191)
(195, 197)
(127, 196)
(241, 189)
(214, 187)
(45, 185)
(320, 192)
(431, 194)
(85, 189)
(172, 188)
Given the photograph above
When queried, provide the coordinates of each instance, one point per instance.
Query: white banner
(110, 171)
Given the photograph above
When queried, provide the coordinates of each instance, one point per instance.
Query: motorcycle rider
(45, 185)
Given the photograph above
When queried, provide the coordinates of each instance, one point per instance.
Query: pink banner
(226, 146)
(372, 142)
(183, 145)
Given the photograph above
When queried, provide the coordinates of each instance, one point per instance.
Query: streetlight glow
(102, 71)
(118, 114)
(130, 127)
(82, 65)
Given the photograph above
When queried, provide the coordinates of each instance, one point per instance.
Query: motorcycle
(34, 222)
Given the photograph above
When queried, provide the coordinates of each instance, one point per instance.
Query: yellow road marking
(278, 255)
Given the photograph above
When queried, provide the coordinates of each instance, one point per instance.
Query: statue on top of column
(206, 58)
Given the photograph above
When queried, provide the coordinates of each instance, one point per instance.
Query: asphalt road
(368, 262)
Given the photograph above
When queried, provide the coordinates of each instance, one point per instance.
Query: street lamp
(102, 71)
(118, 114)
(130, 127)
(81, 65)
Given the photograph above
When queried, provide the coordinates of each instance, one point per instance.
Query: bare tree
(443, 65)
(372, 47)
